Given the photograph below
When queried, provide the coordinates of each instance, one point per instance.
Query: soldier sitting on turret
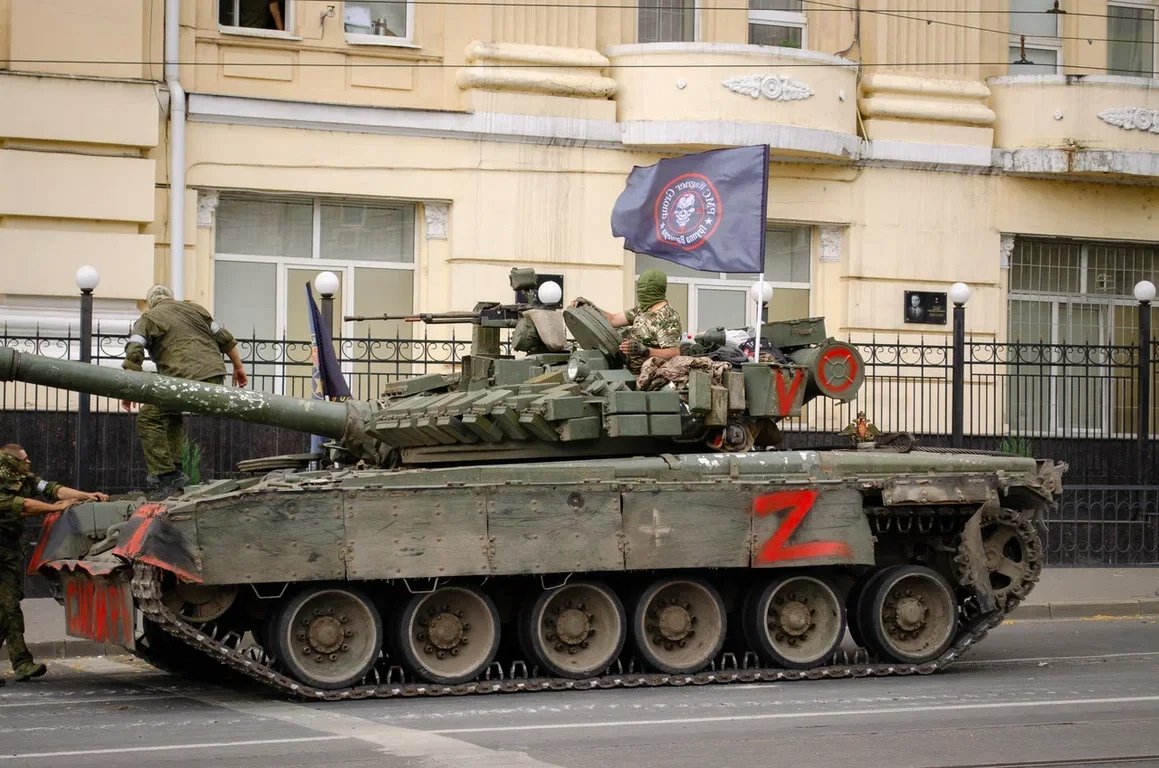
(655, 325)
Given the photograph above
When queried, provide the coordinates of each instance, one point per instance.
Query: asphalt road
(1033, 693)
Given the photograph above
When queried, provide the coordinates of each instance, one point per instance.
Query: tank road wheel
(576, 630)
(197, 603)
(327, 637)
(908, 614)
(679, 625)
(449, 636)
(796, 621)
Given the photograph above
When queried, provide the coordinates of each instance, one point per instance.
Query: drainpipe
(176, 149)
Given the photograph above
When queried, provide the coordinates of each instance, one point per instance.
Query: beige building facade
(420, 150)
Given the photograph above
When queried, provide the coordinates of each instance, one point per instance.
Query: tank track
(147, 590)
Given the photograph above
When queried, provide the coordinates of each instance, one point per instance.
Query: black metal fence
(1078, 403)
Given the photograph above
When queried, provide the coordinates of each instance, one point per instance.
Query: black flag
(705, 211)
(328, 381)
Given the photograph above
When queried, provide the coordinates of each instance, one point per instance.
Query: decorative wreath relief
(772, 87)
(1132, 118)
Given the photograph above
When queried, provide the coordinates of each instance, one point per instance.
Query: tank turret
(564, 399)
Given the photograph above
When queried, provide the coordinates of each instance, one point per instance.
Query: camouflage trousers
(162, 434)
(11, 618)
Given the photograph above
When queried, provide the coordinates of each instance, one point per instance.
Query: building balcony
(1073, 125)
(696, 95)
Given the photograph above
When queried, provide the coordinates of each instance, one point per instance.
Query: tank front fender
(150, 536)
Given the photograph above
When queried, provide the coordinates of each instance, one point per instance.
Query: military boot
(168, 484)
(28, 670)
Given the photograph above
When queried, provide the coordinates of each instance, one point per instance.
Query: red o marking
(831, 355)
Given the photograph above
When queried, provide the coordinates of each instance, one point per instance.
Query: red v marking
(786, 396)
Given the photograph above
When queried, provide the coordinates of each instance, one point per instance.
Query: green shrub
(1019, 446)
(191, 461)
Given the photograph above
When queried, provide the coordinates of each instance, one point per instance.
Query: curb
(1087, 609)
(72, 647)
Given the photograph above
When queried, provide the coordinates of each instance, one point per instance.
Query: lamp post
(326, 283)
(1144, 294)
(87, 279)
(959, 294)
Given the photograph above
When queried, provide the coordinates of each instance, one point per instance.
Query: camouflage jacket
(657, 329)
(13, 492)
(183, 340)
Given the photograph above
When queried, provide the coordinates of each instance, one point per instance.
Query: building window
(383, 21)
(666, 21)
(777, 22)
(1131, 34)
(709, 299)
(1070, 301)
(1035, 45)
(274, 15)
(269, 248)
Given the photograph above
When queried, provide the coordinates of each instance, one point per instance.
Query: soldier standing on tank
(655, 326)
(183, 340)
(18, 489)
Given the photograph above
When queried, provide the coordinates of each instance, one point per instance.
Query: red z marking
(787, 396)
(798, 504)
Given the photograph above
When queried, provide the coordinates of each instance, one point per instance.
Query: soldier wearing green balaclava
(655, 327)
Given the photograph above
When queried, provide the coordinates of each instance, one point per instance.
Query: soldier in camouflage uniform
(18, 489)
(184, 341)
(654, 330)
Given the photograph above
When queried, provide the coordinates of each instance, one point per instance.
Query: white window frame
(405, 41)
(279, 34)
(345, 267)
(793, 19)
(1149, 6)
(1041, 43)
(721, 282)
(1108, 306)
(696, 10)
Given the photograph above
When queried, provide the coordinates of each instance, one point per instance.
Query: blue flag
(328, 382)
(705, 211)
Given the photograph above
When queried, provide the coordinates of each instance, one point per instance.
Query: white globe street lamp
(960, 294)
(326, 283)
(762, 293)
(1144, 291)
(87, 279)
(550, 293)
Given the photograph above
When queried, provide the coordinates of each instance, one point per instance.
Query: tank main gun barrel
(317, 417)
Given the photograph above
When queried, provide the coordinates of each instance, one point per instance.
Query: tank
(553, 521)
